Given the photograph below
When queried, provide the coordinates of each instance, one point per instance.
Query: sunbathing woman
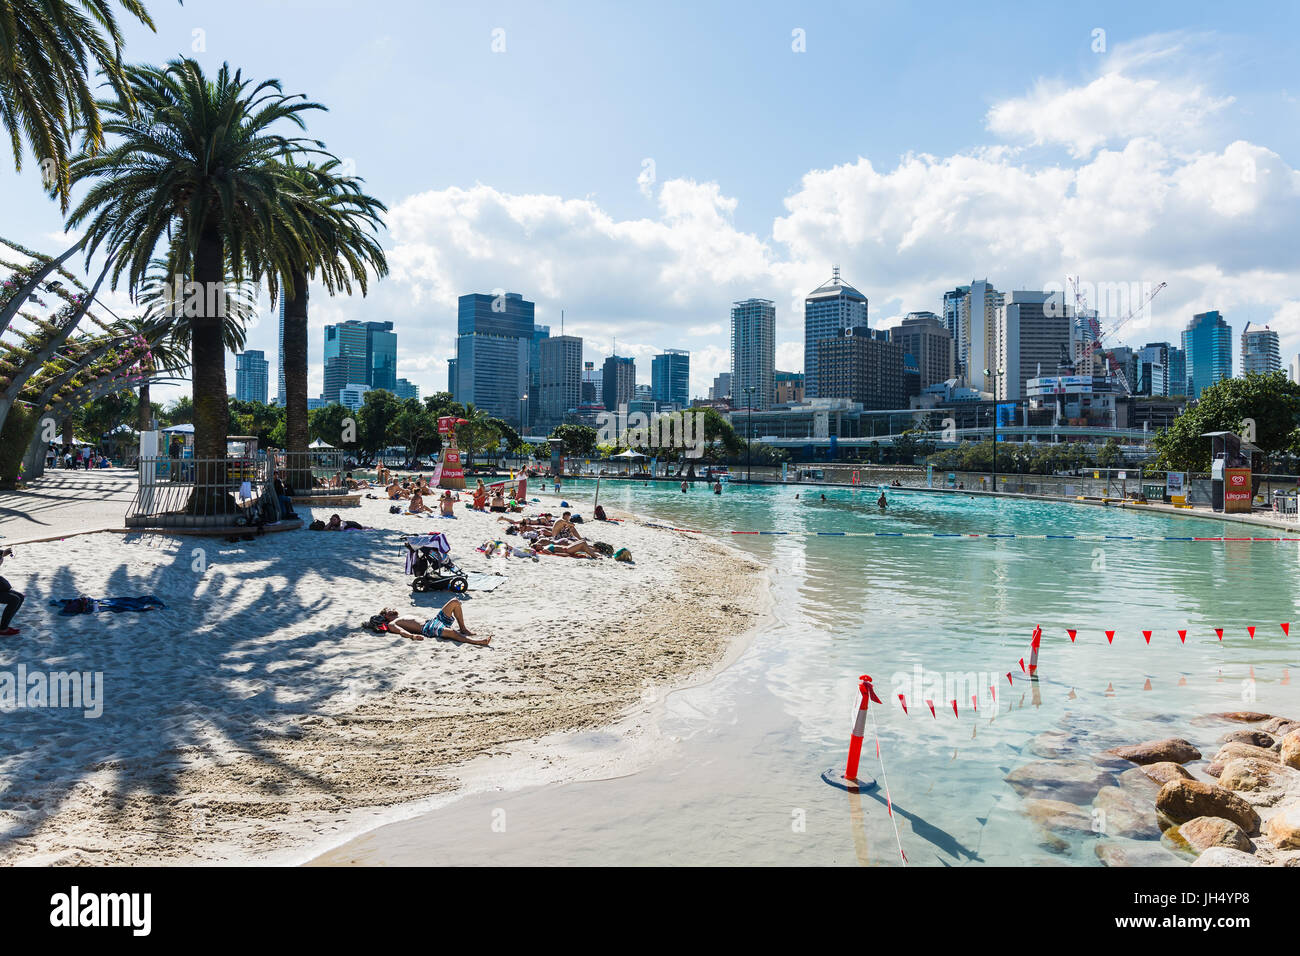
(440, 625)
(417, 505)
(574, 549)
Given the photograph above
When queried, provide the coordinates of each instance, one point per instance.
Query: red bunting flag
(1147, 635)
(1009, 681)
(1038, 637)
(1110, 637)
(1072, 635)
(993, 693)
(1147, 685)
(1182, 682)
(903, 700)
(1022, 665)
(954, 709)
(1286, 629)
(930, 704)
(1219, 631)
(1182, 637)
(1252, 631)
(974, 705)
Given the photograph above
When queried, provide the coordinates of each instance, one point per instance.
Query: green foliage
(577, 440)
(1272, 401)
(17, 433)
(375, 419)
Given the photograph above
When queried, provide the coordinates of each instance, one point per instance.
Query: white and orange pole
(1033, 650)
(849, 779)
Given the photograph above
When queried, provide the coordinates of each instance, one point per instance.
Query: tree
(331, 425)
(374, 419)
(416, 428)
(1110, 454)
(46, 49)
(476, 433)
(1271, 401)
(202, 163)
(576, 440)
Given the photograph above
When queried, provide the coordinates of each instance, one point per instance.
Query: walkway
(66, 502)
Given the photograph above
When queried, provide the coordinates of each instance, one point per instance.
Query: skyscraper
(406, 389)
(1207, 340)
(559, 378)
(827, 310)
(952, 322)
(534, 405)
(721, 387)
(279, 392)
(593, 383)
(1260, 350)
(976, 321)
(618, 385)
(493, 345)
(670, 378)
(359, 353)
(753, 353)
(863, 368)
(1174, 361)
(925, 336)
(251, 371)
(1031, 333)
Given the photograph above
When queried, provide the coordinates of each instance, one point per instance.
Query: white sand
(253, 719)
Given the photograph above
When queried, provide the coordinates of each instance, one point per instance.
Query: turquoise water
(743, 784)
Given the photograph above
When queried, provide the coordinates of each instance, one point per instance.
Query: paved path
(65, 502)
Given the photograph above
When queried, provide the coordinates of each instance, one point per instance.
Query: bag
(623, 554)
(603, 548)
(394, 509)
(317, 525)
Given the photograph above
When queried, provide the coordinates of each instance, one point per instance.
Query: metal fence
(316, 472)
(199, 493)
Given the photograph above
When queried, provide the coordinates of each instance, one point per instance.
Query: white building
(1260, 351)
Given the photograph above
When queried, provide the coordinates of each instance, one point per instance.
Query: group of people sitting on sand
(555, 536)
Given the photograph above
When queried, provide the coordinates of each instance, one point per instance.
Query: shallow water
(932, 618)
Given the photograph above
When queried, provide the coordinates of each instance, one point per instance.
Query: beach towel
(85, 605)
(485, 582)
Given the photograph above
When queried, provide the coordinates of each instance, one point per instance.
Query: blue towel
(85, 605)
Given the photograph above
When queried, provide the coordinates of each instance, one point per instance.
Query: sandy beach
(254, 719)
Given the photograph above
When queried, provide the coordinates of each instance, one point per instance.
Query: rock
(1289, 754)
(1244, 716)
(1169, 750)
(1280, 726)
(1202, 833)
(1070, 780)
(1121, 814)
(1227, 856)
(1054, 743)
(1135, 781)
(1133, 853)
(1261, 783)
(1256, 738)
(1057, 816)
(1283, 829)
(1183, 800)
(1235, 751)
(1164, 771)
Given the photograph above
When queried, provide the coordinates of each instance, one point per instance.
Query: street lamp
(749, 438)
(996, 376)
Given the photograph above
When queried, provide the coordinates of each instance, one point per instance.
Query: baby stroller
(427, 558)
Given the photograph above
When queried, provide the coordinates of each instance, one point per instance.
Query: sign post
(1236, 490)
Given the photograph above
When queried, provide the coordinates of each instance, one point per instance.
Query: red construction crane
(1096, 342)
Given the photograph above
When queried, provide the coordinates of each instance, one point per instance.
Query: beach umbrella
(629, 454)
(320, 444)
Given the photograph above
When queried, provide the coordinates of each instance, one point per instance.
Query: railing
(198, 493)
(315, 473)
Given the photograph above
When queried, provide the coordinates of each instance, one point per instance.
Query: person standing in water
(717, 487)
(684, 487)
(881, 501)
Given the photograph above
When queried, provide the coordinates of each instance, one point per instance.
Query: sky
(642, 166)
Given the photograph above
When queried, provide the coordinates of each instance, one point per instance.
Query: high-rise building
(721, 387)
(863, 368)
(1295, 369)
(353, 395)
(560, 379)
(407, 389)
(670, 378)
(827, 311)
(534, 405)
(1260, 351)
(359, 353)
(451, 379)
(789, 388)
(976, 322)
(280, 398)
(1207, 340)
(1031, 333)
(618, 385)
(925, 336)
(493, 344)
(1174, 362)
(251, 372)
(753, 353)
(593, 383)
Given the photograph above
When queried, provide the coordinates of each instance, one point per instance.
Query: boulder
(1119, 813)
(1113, 852)
(1183, 800)
(1164, 771)
(1289, 754)
(1227, 856)
(1054, 743)
(1202, 833)
(1057, 816)
(1073, 781)
(1256, 738)
(1169, 750)
(1235, 751)
(1244, 716)
(1283, 828)
(1280, 726)
(1135, 781)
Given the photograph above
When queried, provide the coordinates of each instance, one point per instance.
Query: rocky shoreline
(1163, 802)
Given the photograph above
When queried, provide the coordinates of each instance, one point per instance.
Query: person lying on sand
(417, 506)
(573, 549)
(440, 625)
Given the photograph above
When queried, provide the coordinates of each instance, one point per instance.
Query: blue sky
(918, 146)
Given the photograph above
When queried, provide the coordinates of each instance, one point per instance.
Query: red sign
(1236, 489)
(451, 474)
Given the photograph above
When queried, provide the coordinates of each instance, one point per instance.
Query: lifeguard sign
(449, 473)
(1236, 489)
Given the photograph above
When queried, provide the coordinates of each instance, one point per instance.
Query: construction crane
(1099, 335)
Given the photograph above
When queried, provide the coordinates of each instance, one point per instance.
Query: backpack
(317, 525)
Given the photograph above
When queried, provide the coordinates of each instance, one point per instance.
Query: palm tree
(203, 164)
(334, 243)
(46, 48)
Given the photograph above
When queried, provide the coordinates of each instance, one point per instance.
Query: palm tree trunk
(295, 382)
(208, 361)
(145, 412)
